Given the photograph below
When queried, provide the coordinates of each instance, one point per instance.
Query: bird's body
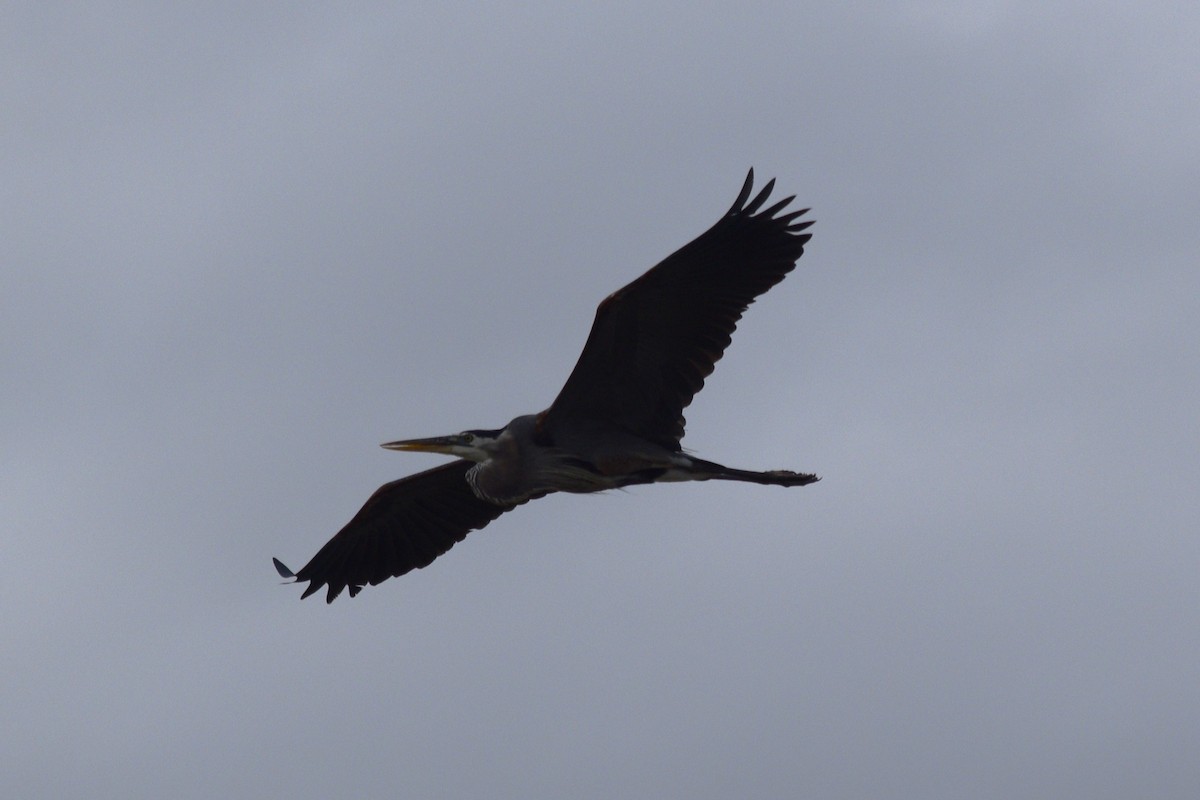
(616, 422)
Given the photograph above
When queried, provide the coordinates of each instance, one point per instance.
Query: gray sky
(241, 248)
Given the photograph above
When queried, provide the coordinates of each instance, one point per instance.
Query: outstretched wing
(654, 341)
(405, 525)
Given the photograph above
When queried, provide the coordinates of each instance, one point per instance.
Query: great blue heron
(616, 422)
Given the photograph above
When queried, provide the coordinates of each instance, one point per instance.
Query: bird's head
(476, 445)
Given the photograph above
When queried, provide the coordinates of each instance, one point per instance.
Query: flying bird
(617, 421)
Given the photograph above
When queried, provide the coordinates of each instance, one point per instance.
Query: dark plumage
(617, 421)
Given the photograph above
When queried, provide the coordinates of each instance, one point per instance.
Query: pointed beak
(450, 445)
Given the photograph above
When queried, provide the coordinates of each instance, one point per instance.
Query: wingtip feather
(759, 199)
(743, 194)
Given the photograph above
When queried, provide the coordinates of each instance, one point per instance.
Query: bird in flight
(617, 421)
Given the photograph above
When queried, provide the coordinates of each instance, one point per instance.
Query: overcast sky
(244, 245)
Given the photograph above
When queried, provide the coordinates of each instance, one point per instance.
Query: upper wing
(405, 525)
(655, 341)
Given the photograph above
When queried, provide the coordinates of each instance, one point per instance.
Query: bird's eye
(468, 437)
